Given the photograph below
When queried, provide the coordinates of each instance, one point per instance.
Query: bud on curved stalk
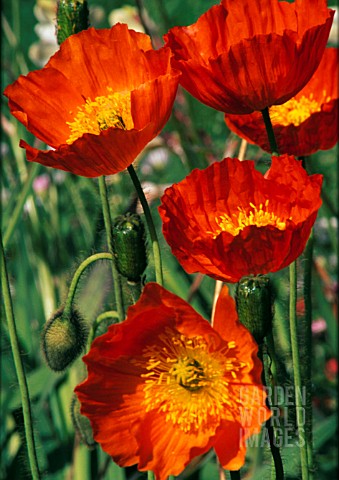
(72, 17)
(254, 305)
(129, 246)
(81, 424)
(63, 339)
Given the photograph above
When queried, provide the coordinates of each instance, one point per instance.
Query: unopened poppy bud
(253, 298)
(63, 339)
(81, 424)
(72, 17)
(129, 246)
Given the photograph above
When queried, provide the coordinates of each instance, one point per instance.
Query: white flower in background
(333, 39)
(126, 14)
(155, 160)
(41, 51)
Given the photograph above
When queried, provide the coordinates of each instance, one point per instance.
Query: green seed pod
(81, 424)
(72, 17)
(129, 246)
(254, 305)
(63, 339)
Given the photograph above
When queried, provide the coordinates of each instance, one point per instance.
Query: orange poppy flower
(240, 57)
(99, 100)
(164, 386)
(306, 123)
(229, 220)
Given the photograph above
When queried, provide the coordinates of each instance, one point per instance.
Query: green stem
(141, 12)
(96, 323)
(21, 199)
(135, 289)
(150, 224)
(306, 364)
(76, 277)
(108, 228)
(26, 407)
(235, 474)
(266, 376)
(105, 315)
(297, 371)
(150, 475)
(270, 132)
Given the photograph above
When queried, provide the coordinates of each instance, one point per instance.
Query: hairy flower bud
(63, 339)
(129, 246)
(253, 298)
(72, 17)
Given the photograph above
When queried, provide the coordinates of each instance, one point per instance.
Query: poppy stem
(103, 316)
(108, 228)
(306, 351)
(263, 354)
(143, 20)
(297, 372)
(76, 278)
(19, 367)
(150, 224)
(235, 474)
(270, 132)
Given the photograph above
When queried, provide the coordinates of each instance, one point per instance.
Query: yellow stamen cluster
(296, 111)
(260, 217)
(112, 110)
(188, 382)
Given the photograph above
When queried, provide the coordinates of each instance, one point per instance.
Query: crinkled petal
(89, 65)
(240, 57)
(114, 396)
(191, 208)
(317, 132)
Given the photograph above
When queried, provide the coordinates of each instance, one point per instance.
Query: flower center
(296, 111)
(189, 374)
(187, 382)
(112, 110)
(260, 217)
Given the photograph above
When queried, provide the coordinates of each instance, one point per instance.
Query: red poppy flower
(306, 123)
(99, 100)
(240, 57)
(164, 386)
(229, 220)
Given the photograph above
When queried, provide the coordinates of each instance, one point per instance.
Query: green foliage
(61, 224)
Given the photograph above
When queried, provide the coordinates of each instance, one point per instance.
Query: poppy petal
(163, 385)
(230, 221)
(306, 123)
(77, 102)
(244, 57)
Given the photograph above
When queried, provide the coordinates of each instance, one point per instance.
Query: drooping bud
(63, 339)
(129, 246)
(72, 17)
(81, 424)
(254, 305)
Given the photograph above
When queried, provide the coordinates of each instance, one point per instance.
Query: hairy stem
(297, 372)
(270, 132)
(76, 277)
(19, 367)
(150, 224)
(108, 227)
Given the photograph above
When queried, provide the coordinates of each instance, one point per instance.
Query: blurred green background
(61, 224)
